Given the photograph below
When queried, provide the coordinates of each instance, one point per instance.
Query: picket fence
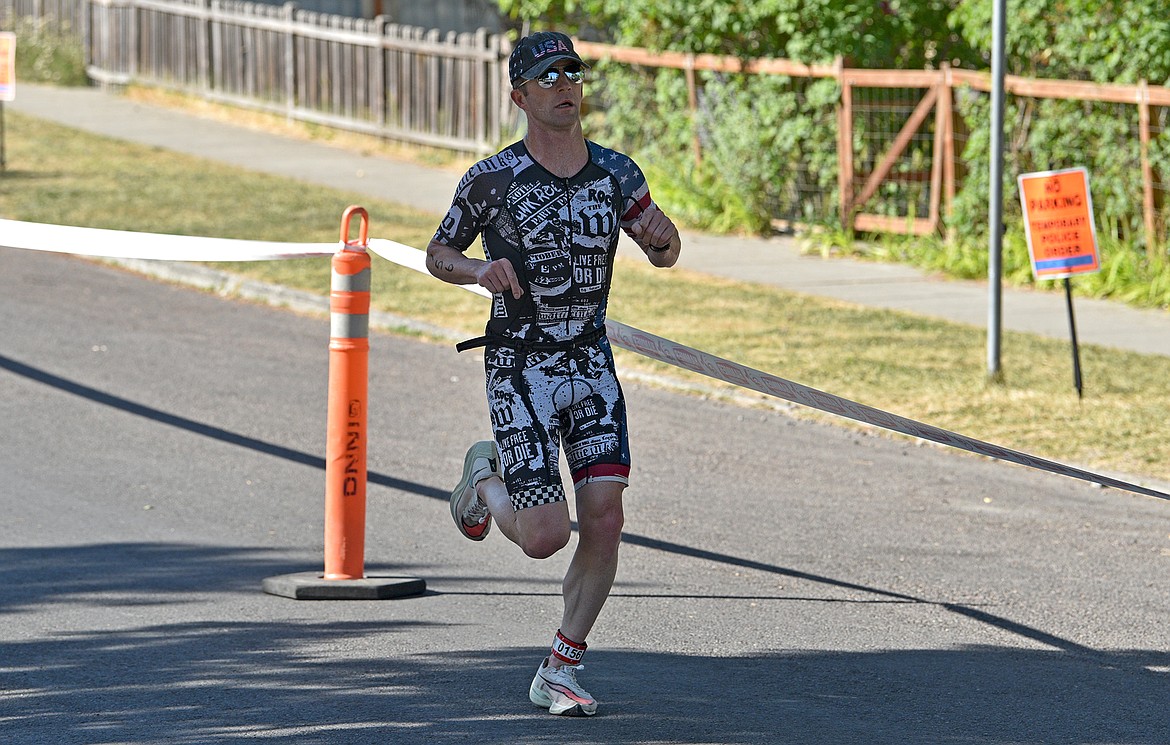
(401, 82)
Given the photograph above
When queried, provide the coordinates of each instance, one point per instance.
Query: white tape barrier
(121, 244)
(411, 258)
(687, 358)
(676, 354)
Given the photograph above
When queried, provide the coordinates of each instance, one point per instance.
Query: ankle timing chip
(567, 650)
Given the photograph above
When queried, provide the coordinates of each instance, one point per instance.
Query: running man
(549, 209)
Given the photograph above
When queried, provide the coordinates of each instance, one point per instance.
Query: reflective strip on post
(349, 298)
(345, 449)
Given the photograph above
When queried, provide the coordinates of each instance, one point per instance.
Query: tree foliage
(1107, 41)
(867, 33)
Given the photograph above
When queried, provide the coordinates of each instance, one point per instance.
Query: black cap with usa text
(537, 52)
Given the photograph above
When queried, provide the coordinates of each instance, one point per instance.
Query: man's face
(557, 106)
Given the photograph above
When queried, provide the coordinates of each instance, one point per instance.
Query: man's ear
(519, 98)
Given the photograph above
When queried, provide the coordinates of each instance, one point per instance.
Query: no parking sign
(1062, 239)
(1058, 221)
(7, 84)
(7, 66)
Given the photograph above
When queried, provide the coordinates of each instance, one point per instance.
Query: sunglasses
(574, 73)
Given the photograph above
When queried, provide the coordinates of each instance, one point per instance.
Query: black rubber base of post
(314, 586)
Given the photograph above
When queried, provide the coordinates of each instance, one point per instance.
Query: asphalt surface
(782, 581)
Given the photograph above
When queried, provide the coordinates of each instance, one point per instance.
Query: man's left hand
(657, 235)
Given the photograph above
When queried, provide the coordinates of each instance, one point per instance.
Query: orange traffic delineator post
(345, 450)
(346, 439)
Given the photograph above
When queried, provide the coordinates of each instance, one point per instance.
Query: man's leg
(586, 587)
(543, 530)
(591, 573)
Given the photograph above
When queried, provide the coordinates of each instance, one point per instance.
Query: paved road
(772, 261)
(782, 581)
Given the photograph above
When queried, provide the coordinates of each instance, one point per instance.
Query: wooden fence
(399, 82)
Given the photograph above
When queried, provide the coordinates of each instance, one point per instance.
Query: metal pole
(1072, 327)
(995, 221)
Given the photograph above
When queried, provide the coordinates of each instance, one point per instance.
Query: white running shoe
(556, 689)
(467, 509)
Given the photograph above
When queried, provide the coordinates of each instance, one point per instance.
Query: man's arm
(453, 266)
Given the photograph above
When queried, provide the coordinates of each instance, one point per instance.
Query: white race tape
(411, 258)
(685, 357)
(676, 354)
(153, 246)
(123, 244)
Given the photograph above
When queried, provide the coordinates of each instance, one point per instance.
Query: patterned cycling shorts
(538, 401)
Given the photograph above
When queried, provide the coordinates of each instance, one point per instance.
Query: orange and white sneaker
(556, 689)
(467, 509)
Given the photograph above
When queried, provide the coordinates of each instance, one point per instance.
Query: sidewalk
(774, 261)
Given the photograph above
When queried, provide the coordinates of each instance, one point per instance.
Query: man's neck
(562, 154)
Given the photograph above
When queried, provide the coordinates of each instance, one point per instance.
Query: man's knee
(602, 523)
(543, 529)
(545, 541)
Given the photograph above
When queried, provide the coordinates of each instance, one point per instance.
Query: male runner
(548, 210)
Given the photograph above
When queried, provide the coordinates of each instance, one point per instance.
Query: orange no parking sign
(1058, 220)
(7, 66)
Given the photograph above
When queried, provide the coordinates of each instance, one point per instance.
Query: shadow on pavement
(207, 430)
(325, 682)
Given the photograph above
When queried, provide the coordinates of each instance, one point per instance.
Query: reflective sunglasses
(574, 73)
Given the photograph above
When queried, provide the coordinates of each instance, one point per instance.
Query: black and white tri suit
(549, 368)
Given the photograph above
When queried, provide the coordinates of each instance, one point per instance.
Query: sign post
(1062, 238)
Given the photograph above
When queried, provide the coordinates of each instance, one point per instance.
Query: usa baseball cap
(537, 52)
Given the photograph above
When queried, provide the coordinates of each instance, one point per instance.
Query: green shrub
(44, 56)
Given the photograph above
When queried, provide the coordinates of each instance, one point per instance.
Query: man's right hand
(498, 277)
(450, 265)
